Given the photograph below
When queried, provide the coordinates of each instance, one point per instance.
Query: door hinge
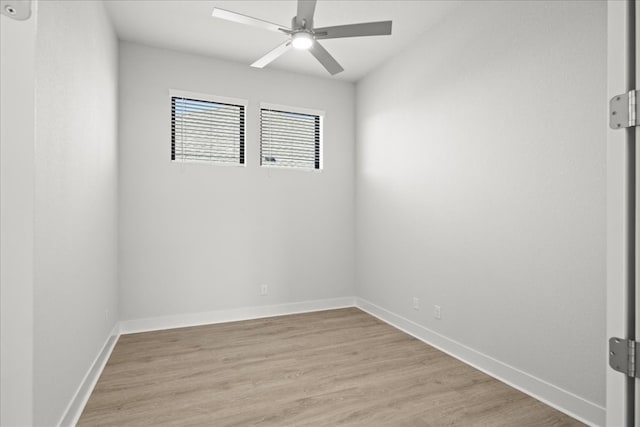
(624, 356)
(622, 110)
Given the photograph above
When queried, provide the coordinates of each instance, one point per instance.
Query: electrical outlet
(264, 289)
(436, 312)
(106, 315)
(416, 303)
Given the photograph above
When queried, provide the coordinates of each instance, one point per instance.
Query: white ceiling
(187, 25)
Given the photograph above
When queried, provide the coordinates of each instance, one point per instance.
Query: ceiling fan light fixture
(303, 34)
(302, 40)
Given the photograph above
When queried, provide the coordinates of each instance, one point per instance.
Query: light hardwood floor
(337, 367)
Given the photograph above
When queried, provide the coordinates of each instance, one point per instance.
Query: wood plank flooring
(337, 367)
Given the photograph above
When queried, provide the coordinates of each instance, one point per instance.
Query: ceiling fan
(303, 35)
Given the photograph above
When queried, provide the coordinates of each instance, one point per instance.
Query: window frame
(176, 93)
(295, 110)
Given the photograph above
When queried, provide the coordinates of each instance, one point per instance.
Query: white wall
(75, 198)
(17, 125)
(481, 186)
(197, 237)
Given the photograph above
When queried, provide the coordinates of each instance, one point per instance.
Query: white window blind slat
(289, 139)
(207, 131)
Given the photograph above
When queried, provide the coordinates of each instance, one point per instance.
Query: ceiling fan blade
(272, 55)
(325, 58)
(382, 28)
(306, 9)
(247, 20)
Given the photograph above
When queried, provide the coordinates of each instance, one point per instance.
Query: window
(205, 130)
(290, 139)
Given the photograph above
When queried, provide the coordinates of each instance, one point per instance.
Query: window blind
(289, 139)
(207, 131)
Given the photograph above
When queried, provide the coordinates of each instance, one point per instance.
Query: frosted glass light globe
(302, 40)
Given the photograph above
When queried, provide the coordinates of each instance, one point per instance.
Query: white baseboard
(75, 407)
(232, 315)
(567, 402)
(73, 411)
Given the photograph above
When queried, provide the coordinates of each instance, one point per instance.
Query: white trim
(231, 315)
(211, 162)
(295, 168)
(290, 109)
(565, 401)
(80, 398)
(208, 97)
(619, 65)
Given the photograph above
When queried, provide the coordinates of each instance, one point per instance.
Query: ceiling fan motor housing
(301, 24)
